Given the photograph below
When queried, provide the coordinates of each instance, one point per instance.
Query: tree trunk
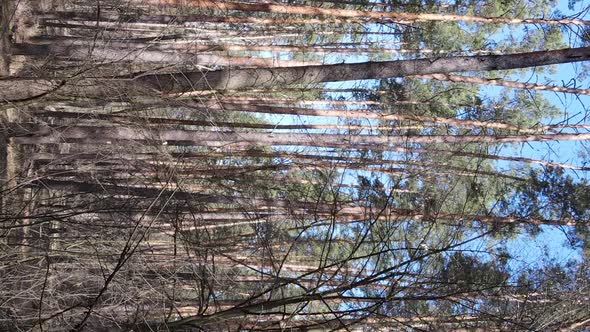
(381, 16)
(460, 123)
(233, 79)
(309, 75)
(505, 83)
(102, 135)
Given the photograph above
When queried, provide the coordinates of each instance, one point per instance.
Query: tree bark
(101, 135)
(309, 75)
(505, 83)
(381, 16)
(433, 121)
(174, 83)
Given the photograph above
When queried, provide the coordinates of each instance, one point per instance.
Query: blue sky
(552, 244)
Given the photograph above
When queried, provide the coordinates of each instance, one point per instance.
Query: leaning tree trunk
(109, 135)
(14, 90)
(396, 17)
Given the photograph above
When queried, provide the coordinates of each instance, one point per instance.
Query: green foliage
(523, 108)
(467, 272)
(553, 194)
(433, 98)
